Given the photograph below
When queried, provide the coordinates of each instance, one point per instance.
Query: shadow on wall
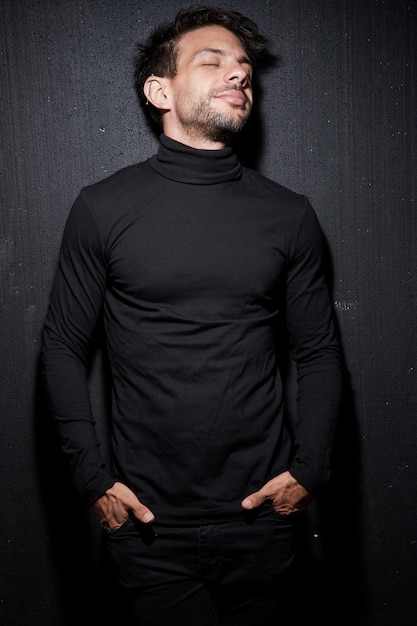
(328, 579)
(249, 144)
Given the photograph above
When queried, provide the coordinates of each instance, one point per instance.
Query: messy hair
(158, 54)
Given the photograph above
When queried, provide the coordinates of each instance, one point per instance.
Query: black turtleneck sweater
(194, 261)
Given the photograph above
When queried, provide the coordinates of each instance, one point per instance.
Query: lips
(232, 96)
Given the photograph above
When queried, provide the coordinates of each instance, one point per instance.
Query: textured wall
(336, 122)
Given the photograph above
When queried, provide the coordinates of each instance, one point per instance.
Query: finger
(143, 514)
(247, 503)
(105, 525)
(253, 500)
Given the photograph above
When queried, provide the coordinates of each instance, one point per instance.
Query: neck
(193, 140)
(198, 166)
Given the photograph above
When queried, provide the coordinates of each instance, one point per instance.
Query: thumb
(143, 514)
(253, 500)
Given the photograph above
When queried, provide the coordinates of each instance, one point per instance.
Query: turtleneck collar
(183, 164)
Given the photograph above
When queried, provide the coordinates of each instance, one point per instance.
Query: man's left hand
(286, 495)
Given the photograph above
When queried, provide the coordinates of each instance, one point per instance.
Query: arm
(75, 305)
(316, 352)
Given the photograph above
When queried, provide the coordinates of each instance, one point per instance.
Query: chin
(231, 123)
(226, 133)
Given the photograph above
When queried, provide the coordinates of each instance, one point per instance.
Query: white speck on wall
(344, 305)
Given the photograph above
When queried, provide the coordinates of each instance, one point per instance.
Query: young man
(194, 259)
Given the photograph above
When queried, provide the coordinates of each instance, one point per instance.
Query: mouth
(233, 97)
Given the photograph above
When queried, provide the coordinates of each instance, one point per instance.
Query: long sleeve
(317, 354)
(75, 307)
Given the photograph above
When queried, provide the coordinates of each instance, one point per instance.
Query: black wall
(336, 121)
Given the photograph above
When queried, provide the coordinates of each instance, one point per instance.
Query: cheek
(187, 96)
(182, 100)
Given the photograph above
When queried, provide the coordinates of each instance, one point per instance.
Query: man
(193, 260)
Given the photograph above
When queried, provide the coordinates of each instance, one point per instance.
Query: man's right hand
(114, 507)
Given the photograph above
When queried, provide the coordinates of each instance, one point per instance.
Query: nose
(238, 74)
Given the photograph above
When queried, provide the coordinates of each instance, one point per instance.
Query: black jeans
(229, 574)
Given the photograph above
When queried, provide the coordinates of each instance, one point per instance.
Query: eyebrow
(242, 59)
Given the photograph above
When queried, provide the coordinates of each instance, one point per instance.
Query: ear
(156, 92)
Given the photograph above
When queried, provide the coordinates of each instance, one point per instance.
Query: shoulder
(263, 185)
(291, 205)
(100, 205)
(116, 195)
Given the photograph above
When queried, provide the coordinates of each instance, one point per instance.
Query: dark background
(336, 121)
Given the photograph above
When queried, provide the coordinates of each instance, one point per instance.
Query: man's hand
(113, 508)
(284, 492)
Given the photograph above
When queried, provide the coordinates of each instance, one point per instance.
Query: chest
(199, 245)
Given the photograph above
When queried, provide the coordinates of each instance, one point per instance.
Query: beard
(202, 121)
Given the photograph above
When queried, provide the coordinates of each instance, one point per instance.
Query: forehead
(209, 37)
